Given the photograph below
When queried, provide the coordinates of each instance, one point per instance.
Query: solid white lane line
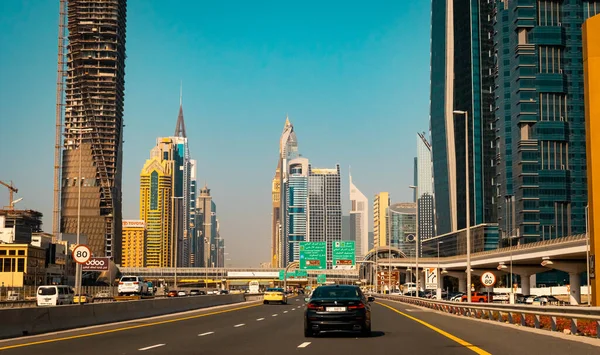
(259, 319)
(304, 345)
(204, 334)
(275, 315)
(151, 347)
(239, 325)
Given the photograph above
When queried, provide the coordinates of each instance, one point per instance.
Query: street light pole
(467, 201)
(389, 222)
(417, 245)
(587, 256)
(439, 272)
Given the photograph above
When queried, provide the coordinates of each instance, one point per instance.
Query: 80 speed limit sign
(82, 254)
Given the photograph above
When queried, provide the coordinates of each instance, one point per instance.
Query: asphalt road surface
(254, 328)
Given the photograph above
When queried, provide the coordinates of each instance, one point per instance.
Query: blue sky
(352, 75)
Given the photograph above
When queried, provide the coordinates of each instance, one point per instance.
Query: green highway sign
(313, 255)
(301, 273)
(321, 278)
(343, 254)
(292, 274)
(281, 272)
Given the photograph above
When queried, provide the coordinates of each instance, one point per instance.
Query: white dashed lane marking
(304, 345)
(259, 319)
(151, 347)
(275, 315)
(205, 334)
(239, 325)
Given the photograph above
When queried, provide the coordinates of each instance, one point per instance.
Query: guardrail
(538, 317)
(35, 320)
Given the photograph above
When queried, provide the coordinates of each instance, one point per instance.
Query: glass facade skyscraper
(462, 79)
(403, 227)
(424, 181)
(296, 190)
(541, 177)
(324, 207)
(359, 220)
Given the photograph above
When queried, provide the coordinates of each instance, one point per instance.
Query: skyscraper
(403, 227)
(193, 239)
(296, 207)
(288, 150)
(156, 189)
(134, 243)
(324, 207)
(93, 124)
(541, 176)
(425, 201)
(359, 220)
(462, 79)
(381, 202)
(204, 204)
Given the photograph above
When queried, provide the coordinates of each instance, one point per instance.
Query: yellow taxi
(83, 298)
(275, 295)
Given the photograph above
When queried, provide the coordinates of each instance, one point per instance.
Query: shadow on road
(335, 334)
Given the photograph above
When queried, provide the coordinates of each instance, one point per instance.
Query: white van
(54, 295)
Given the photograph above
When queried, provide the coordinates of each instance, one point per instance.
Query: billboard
(134, 223)
(343, 254)
(313, 255)
(96, 264)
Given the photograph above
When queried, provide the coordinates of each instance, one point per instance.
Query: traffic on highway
(338, 319)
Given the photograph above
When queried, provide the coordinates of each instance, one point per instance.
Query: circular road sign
(488, 279)
(81, 254)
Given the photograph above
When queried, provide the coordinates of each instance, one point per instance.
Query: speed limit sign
(81, 254)
(488, 279)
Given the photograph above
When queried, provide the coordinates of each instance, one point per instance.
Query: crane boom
(11, 190)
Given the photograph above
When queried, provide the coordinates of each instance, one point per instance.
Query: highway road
(254, 328)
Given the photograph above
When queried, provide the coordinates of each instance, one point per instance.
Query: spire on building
(180, 127)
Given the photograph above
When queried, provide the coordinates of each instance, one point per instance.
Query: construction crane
(11, 190)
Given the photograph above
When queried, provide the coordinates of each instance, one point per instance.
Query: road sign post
(488, 279)
(313, 256)
(81, 254)
(343, 255)
(431, 278)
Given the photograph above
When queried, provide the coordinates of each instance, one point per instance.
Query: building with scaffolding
(91, 162)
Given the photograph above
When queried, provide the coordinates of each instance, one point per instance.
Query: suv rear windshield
(129, 279)
(47, 291)
(336, 292)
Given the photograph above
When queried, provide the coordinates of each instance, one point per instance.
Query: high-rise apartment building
(156, 192)
(93, 124)
(205, 208)
(424, 182)
(462, 79)
(288, 150)
(193, 238)
(381, 202)
(296, 198)
(403, 227)
(541, 166)
(324, 207)
(359, 220)
(134, 243)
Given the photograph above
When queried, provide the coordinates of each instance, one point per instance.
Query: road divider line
(259, 319)
(304, 345)
(151, 347)
(284, 311)
(275, 315)
(239, 325)
(464, 343)
(204, 334)
(116, 330)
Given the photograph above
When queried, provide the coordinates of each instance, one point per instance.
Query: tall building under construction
(93, 123)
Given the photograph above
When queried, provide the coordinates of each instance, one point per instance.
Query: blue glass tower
(296, 190)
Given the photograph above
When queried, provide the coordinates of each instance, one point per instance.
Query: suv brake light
(358, 306)
(315, 307)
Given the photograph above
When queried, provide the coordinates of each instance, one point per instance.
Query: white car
(132, 285)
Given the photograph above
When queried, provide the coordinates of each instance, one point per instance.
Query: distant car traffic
(275, 295)
(337, 307)
(132, 285)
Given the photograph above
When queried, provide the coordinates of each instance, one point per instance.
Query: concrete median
(28, 321)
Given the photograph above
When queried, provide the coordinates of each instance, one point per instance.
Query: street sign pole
(81, 255)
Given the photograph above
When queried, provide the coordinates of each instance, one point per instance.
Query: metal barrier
(515, 314)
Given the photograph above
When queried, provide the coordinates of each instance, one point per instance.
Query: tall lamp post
(78, 269)
(176, 237)
(467, 200)
(587, 256)
(417, 245)
(439, 276)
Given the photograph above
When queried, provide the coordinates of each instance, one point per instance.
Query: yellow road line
(466, 344)
(124, 328)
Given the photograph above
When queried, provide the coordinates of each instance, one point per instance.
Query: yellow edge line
(125, 328)
(466, 344)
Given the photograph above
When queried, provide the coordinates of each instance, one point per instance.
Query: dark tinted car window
(337, 292)
(47, 291)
